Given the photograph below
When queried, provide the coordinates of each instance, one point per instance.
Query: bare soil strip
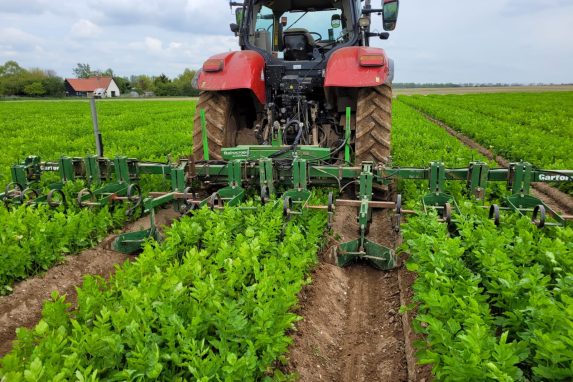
(24, 306)
(557, 200)
(351, 328)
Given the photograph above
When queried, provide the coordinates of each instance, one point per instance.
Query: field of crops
(537, 128)
(494, 303)
(52, 129)
(215, 300)
(33, 240)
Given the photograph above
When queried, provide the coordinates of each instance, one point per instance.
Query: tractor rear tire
(221, 124)
(373, 125)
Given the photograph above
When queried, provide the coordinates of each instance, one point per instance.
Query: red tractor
(305, 72)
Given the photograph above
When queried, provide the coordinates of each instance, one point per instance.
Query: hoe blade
(132, 242)
(376, 255)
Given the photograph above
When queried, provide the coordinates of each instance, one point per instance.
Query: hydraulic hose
(296, 140)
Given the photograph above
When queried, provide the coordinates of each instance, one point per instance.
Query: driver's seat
(298, 44)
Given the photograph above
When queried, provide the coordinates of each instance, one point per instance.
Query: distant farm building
(83, 87)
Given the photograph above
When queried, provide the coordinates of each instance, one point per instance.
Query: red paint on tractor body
(344, 68)
(240, 70)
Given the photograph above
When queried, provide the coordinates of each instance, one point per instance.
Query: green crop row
(147, 130)
(34, 239)
(493, 303)
(461, 342)
(416, 142)
(528, 278)
(213, 302)
(547, 112)
(453, 314)
(513, 282)
(515, 138)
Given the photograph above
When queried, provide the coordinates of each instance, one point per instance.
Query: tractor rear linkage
(250, 167)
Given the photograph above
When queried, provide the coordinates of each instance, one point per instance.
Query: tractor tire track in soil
(352, 329)
(557, 200)
(24, 306)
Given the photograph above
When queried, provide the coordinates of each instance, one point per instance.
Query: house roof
(89, 84)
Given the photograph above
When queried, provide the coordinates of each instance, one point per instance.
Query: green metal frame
(377, 255)
(248, 167)
(438, 199)
(132, 242)
(251, 153)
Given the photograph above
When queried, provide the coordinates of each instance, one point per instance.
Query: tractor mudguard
(234, 70)
(358, 67)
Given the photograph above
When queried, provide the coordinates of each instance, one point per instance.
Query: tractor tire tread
(217, 108)
(373, 125)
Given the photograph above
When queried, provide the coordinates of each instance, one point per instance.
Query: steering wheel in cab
(317, 34)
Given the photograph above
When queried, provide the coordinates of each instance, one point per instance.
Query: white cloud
(190, 54)
(85, 29)
(201, 16)
(28, 6)
(437, 41)
(17, 36)
(154, 45)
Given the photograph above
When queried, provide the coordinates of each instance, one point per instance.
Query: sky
(459, 41)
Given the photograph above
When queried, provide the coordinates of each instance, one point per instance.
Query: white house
(82, 87)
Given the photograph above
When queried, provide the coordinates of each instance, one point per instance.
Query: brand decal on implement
(240, 153)
(554, 178)
(50, 168)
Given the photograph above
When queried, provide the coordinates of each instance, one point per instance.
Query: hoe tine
(541, 211)
(215, 201)
(188, 204)
(494, 214)
(82, 194)
(13, 192)
(135, 199)
(398, 217)
(330, 209)
(264, 195)
(287, 207)
(447, 213)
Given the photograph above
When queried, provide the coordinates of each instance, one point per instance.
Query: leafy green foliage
(149, 130)
(515, 126)
(211, 303)
(517, 130)
(453, 313)
(493, 303)
(32, 240)
(527, 276)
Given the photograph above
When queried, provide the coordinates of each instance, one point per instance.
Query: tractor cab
(296, 30)
(305, 33)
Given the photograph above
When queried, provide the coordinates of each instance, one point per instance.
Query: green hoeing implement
(267, 169)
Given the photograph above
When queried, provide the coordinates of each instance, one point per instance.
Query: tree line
(35, 82)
